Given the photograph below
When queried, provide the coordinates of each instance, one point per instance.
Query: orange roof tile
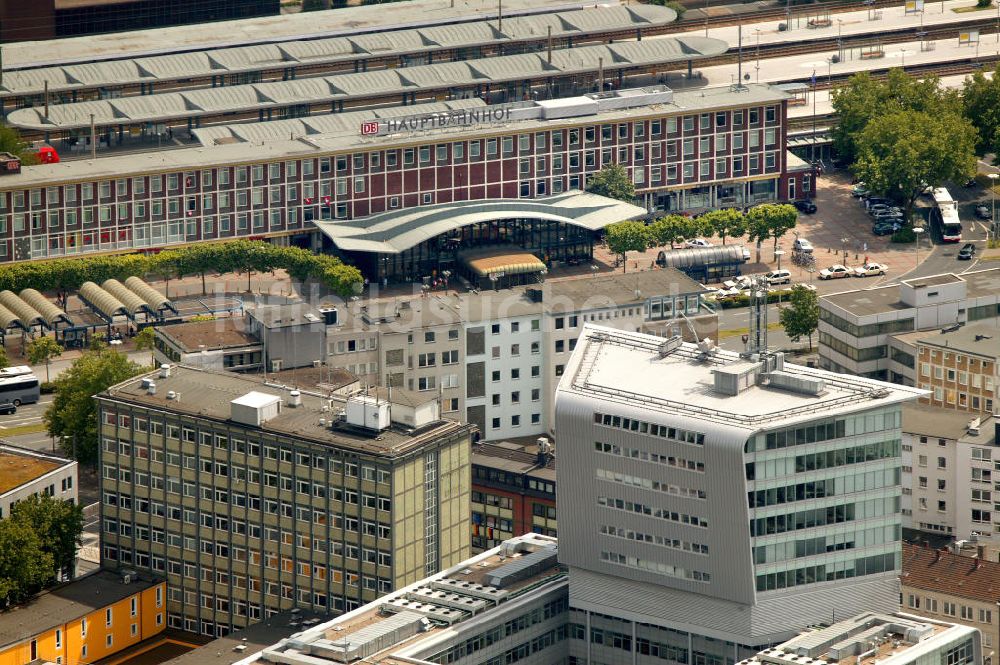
(943, 572)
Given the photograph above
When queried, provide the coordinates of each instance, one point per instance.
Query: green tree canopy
(145, 340)
(58, 524)
(725, 223)
(73, 412)
(770, 220)
(673, 229)
(10, 141)
(899, 153)
(981, 99)
(801, 316)
(626, 237)
(42, 350)
(4, 361)
(612, 181)
(25, 566)
(863, 98)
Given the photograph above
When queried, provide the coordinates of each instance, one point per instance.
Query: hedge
(238, 256)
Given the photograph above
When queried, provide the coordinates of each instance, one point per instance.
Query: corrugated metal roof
(281, 54)
(178, 105)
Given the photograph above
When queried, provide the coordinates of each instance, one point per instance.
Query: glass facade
(825, 498)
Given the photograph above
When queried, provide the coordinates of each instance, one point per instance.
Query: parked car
(835, 272)
(740, 283)
(7, 408)
(860, 190)
(883, 210)
(779, 277)
(967, 252)
(805, 206)
(870, 270)
(697, 242)
(970, 183)
(802, 245)
(886, 227)
(876, 200)
(983, 212)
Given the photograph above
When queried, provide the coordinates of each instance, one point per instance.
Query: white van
(778, 277)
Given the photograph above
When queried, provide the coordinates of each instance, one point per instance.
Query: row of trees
(237, 256)
(38, 542)
(903, 133)
(768, 221)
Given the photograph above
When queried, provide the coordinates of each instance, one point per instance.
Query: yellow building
(83, 621)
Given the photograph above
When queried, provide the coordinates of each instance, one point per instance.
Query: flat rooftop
(164, 161)
(20, 466)
(238, 644)
(284, 316)
(393, 628)
(674, 377)
(516, 456)
(65, 603)
(898, 638)
(215, 335)
(982, 339)
(579, 293)
(937, 422)
(209, 394)
(980, 284)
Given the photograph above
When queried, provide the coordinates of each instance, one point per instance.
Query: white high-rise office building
(722, 502)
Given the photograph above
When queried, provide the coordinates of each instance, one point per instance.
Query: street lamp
(902, 55)
(918, 230)
(757, 65)
(778, 253)
(843, 245)
(993, 195)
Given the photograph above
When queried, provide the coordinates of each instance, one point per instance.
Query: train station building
(342, 181)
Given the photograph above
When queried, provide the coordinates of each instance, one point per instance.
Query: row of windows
(867, 330)
(643, 509)
(652, 429)
(645, 456)
(657, 567)
(672, 543)
(497, 634)
(879, 563)
(834, 542)
(807, 519)
(646, 483)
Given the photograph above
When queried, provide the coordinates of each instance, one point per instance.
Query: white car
(802, 245)
(698, 242)
(778, 277)
(740, 283)
(870, 270)
(835, 272)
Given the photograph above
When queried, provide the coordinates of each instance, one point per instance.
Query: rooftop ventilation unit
(254, 408)
(368, 412)
(973, 426)
(735, 378)
(522, 568)
(295, 398)
(796, 383)
(164, 370)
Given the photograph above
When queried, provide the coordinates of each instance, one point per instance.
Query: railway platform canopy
(460, 79)
(219, 66)
(267, 29)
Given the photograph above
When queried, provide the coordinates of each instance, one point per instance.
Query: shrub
(904, 235)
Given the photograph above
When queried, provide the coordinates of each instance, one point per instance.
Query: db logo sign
(369, 128)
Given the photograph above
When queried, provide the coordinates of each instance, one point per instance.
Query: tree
(43, 350)
(10, 141)
(770, 220)
(801, 316)
(146, 339)
(900, 153)
(4, 361)
(626, 237)
(612, 181)
(314, 5)
(667, 230)
(981, 100)
(724, 223)
(862, 99)
(59, 525)
(72, 416)
(25, 567)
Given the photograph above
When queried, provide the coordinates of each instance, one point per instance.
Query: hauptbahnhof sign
(428, 121)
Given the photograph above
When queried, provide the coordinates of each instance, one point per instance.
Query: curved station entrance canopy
(428, 240)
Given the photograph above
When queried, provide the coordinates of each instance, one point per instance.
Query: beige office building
(251, 498)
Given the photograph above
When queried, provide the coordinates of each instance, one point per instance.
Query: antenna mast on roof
(757, 340)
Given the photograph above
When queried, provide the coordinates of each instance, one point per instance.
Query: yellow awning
(500, 264)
